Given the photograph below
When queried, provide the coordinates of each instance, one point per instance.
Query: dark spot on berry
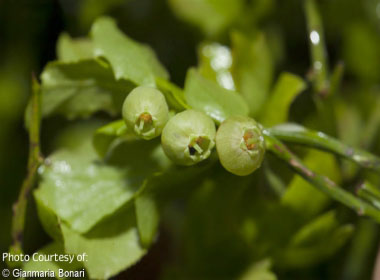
(192, 150)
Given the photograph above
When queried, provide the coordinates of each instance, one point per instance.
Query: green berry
(146, 112)
(240, 145)
(188, 137)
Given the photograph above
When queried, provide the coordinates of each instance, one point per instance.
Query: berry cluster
(189, 136)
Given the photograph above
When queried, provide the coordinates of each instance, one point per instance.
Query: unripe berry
(240, 145)
(145, 111)
(188, 137)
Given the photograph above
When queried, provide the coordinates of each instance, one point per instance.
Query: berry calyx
(240, 145)
(188, 137)
(146, 112)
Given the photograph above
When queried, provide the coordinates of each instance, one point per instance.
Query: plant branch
(323, 183)
(34, 161)
(300, 135)
(369, 192)
(317, 47)
(336, 79)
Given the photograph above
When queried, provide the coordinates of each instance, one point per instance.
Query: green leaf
(316, 231)
(252, 69)
(80, 89)
(304, 198)
(348, 115)
(209, 97)
(77, 135)
(111, 246)
(360, 250)
(106, 135)
(82, 192)
(215, 63)
(130, 60)
(259, 271)
(316, 241)
(277, 107)
(85, 190)
(48, 218)
(304, 257)
(212, 16)
(140, 158)
(55, 266)
(147, 214)
(72, 50)
(361, 52)
(173, 94)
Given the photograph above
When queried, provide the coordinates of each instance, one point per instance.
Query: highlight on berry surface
(145, 112)
(240, 145)
(188, 137)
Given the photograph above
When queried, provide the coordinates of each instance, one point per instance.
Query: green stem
(300, 135)
(323, 183)
(369, 197)
(317, 47)
(34, 161)
(326, 104)
(336, 79)
(369, 192)
(371, 189)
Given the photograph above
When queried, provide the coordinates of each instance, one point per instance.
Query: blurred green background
(28, 34)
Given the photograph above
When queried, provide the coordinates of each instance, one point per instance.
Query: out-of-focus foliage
(285, 91)
(211, 16)
(252, 68)
(217, 102)
(119, 198)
